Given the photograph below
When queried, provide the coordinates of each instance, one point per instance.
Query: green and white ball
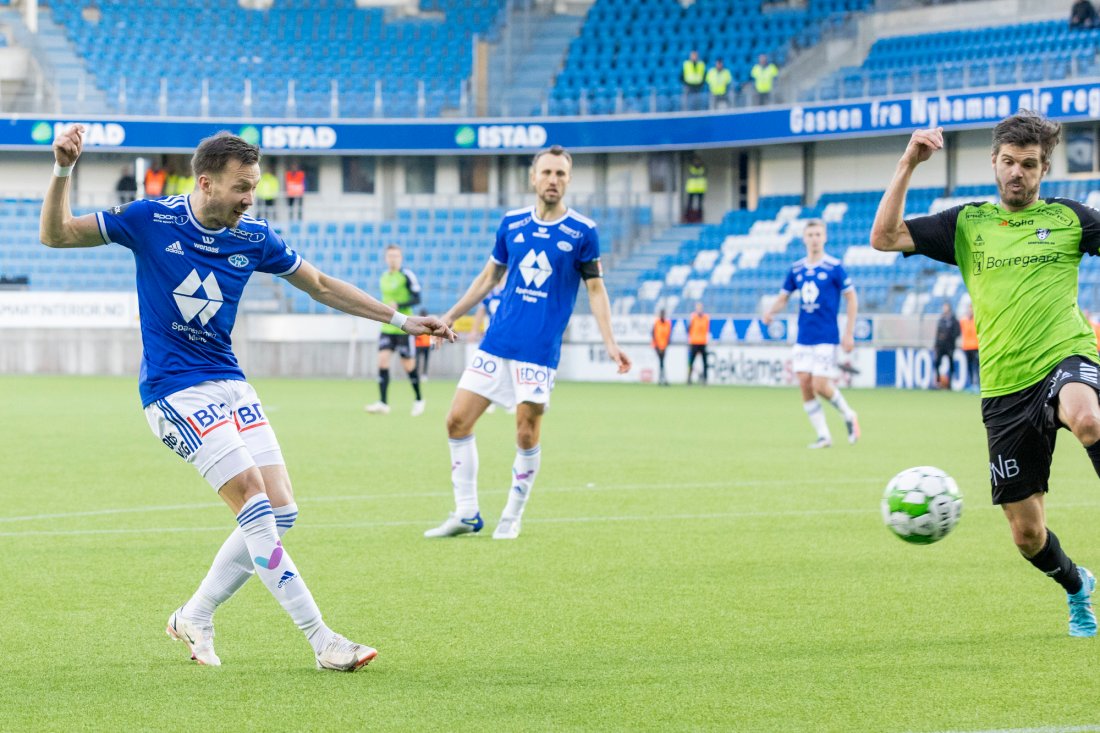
(921, 505)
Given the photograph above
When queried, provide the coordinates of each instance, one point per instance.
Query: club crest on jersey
(191, 305)
(565, 246)
(1042, 234)
(238, 260)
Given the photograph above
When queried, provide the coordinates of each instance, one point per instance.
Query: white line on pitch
(428, 522)
(426, 495)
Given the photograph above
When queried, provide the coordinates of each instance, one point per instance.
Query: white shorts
(219, 427)
(818, 360)
(507, 382)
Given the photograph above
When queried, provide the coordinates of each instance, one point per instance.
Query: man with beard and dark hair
(1019, 259)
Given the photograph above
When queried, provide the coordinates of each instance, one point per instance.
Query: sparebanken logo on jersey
(191, 305)
(535, 268)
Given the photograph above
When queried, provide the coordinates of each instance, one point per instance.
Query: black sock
(1055, 563)
(414, 379)
(383, 383)
(1094, 456)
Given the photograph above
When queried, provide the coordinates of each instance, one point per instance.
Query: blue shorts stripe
(186, 432)
(182, 421)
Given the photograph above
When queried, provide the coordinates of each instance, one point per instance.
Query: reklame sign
(889, 115)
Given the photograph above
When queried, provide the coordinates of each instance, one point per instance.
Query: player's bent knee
(1028, 537)
(1085, 424)
(458, 425)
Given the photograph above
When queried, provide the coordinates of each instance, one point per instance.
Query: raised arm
(889, 233)
(601, 309)
(486, 280)
(57, 227)
(342, 296)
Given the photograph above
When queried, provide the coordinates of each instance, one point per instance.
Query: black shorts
(402, 343)
(1021, 428)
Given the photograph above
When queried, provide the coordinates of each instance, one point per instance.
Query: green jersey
(1020, 268)
(402, 288)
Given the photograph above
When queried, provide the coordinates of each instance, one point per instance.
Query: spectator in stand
(763, 78)
(1083, 16)
(970, 348)
(693, 74)
(695, 186)
(127, 185)
(947, 333)
(267, 191)
(295, 186)
(156, 178)
(718, 81)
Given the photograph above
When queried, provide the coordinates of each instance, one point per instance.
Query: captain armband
(591, 269)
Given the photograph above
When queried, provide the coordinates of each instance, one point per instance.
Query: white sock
(231, 569)
(277, 570)
(464, 475)
(523, 478)
(817, 418)
(838, 401)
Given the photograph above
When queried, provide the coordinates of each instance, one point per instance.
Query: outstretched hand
(922, 144)
(430, 325)
(620, 359)
(68, 145)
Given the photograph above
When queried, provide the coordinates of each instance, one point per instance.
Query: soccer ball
(921, 505)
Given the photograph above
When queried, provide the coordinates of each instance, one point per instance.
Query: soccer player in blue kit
(543, 252)
(194, 254)
(820, 281)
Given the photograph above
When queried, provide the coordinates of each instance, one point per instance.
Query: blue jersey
(189, 281)
(544, 260)
(819, 285)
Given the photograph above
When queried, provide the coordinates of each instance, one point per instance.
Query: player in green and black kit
(1019, 259)
(400, 291)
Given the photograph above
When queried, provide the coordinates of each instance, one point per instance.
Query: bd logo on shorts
(207, 419)
(532, 375)
(483, 366)
(249, 416)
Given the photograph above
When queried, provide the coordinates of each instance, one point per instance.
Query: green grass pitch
(686, 564)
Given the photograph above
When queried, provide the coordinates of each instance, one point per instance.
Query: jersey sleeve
(500, 248)
(843, 279)
(1090, 225)
(934, 235)
(789, 285)
(278, 258)
(123, 224)
(588, 255)
(414, 289)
